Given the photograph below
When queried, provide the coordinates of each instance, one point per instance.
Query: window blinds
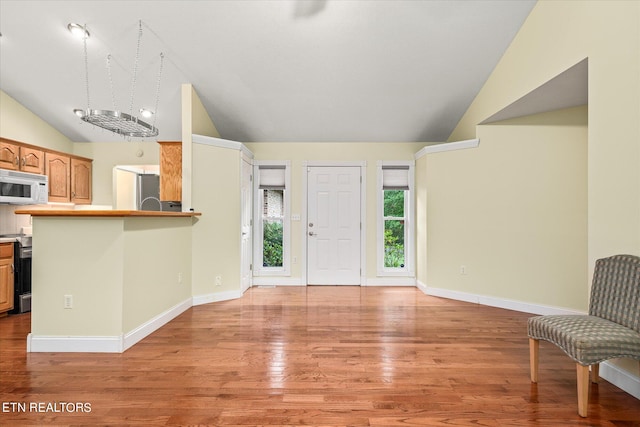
(395, 177)
(272, 178)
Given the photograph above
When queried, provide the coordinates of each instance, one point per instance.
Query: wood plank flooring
(322, 356)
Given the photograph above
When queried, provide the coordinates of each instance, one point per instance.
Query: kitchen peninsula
(105, 279)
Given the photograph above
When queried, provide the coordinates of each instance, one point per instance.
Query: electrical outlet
(295, 259)
(218, 280)
(179, 277)
(68, 301)
(463, 270)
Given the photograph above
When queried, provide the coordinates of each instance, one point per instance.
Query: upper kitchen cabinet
(9, 155)
(81, 170)
(19, 157)
(59, 173)
(170, 171)
(69, 178)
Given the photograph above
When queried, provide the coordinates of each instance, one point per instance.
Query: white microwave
(21, 188)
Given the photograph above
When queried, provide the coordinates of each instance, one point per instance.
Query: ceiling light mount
(78, 31)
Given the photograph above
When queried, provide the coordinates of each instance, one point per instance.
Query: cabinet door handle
(17, 161)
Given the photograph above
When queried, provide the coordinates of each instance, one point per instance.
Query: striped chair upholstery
(610, 330)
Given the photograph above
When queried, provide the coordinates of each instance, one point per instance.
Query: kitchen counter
(102, 280)
(103, 213)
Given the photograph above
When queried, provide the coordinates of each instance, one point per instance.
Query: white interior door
(333, 226)
(246, 226)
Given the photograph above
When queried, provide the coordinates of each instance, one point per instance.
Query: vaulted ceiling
(315, 70)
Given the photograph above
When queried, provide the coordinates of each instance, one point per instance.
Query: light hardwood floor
(323, 356)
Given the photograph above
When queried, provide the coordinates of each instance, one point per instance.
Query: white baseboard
(613, 374)
(147, 328)
(216, 297)
(505, 303)
(370, 281)
(390, 281)
(277, 281)
(621, 379)
(103, 344)
(79, 344)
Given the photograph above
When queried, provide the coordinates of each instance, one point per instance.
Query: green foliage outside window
(394, 228)
(272, 244)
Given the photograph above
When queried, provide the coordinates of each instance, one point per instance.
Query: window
(271, 219)
(395, 225)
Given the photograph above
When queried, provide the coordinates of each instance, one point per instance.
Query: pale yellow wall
(156, 252)
(513, 211)
(19, 124)
(557, 35)
(298, 153)
(195, 120)
(421, 219)
(121, 272)
(216, 234)
(106, 155)
(68, 252)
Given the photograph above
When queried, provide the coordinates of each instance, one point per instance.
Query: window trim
(408, 270)
(258, 269)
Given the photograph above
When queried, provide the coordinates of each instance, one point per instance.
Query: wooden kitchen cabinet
(14, 156)
(170, 171)
(81, 171)
(69, 178)
(31, 160)
(58, 169)
(9, 155)
(6, 278)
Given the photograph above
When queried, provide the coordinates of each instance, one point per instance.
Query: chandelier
(115, 120)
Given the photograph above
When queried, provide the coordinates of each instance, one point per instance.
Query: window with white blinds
(271, 177)
(271, 218)
(395, 177)
(395, 219)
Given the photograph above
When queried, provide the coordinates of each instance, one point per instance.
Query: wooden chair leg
(583, 389)
(595, 373)
(534, 346)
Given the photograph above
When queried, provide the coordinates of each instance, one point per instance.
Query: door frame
(247, 160)
(363, 213)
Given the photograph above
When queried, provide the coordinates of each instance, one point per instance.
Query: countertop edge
(104, 213)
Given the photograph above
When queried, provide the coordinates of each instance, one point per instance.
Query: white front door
(333, 225)
(246, 226)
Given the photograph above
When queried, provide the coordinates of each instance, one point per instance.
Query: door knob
(310, 224)
(311, 233)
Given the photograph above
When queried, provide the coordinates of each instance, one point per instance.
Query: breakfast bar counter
(103, 213)
(102, 280)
